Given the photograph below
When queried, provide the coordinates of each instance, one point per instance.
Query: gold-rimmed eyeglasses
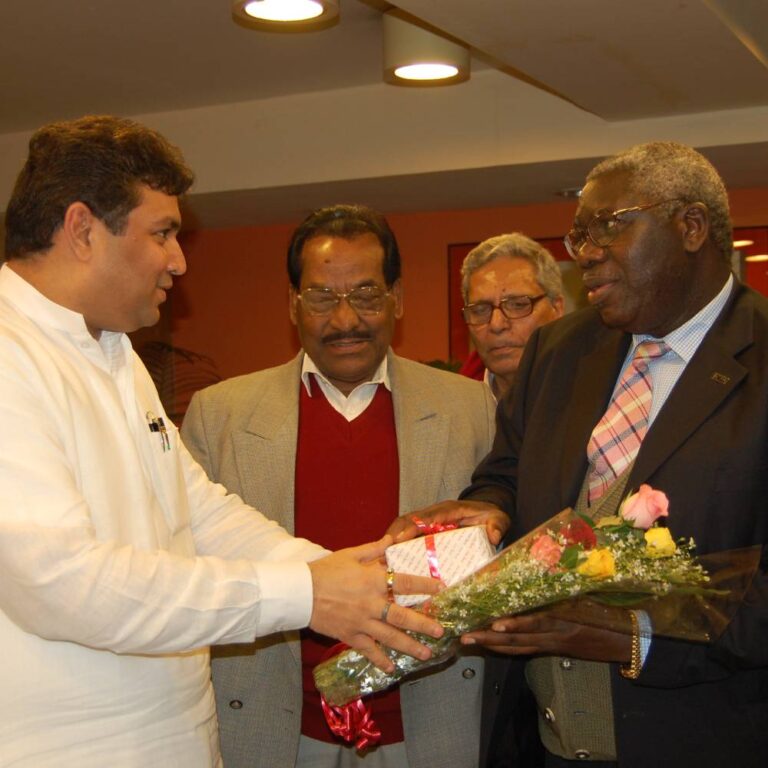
(603, 228)
(365, 300)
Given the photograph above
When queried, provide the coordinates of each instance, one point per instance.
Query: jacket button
(549, 715)
(582, 754)
(235, 704)
(496, 688)
(566, 663)
(468, 673)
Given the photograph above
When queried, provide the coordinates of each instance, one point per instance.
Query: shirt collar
(380, 376)
(685, 340)
(48, 314)
(34, 304)
(490, 381)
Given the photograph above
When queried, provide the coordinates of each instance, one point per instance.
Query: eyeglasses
(603, 228)
(512, 307)
(365, 300)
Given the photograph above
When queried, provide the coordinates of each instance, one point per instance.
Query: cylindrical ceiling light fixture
(416, 56)
(285, 15)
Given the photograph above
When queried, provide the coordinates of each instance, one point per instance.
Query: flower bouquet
(582, 570)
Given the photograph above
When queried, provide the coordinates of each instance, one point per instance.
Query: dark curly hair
(101, 161)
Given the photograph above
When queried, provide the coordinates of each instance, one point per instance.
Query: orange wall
(232, 303)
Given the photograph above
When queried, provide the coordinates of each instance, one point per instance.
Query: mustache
(332, 338)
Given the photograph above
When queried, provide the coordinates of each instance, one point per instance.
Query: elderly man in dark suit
(652, 237)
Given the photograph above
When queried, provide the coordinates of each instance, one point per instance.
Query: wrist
(631, 670)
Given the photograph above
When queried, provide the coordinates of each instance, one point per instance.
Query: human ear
(293, 297)
(695, 226)
(397, 293)
(77, 229)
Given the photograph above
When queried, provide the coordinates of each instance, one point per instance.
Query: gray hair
(666, 170)
(518, 246)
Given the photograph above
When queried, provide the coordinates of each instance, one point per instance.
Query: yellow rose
(598, 565)
(659, 542)
(612, 520)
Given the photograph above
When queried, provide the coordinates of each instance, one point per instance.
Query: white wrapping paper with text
(458, 552)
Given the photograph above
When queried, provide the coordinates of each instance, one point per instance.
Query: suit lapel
(266, 448)
(595, 377)
(417, 424)
(708, 379)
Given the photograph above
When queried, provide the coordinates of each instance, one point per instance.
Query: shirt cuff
(286, 596)
(646, 632)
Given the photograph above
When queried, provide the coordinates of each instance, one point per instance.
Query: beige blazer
(244, 433)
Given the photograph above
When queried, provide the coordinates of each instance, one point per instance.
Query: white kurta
(119, 561)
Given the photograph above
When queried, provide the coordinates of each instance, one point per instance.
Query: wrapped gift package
(455, 554)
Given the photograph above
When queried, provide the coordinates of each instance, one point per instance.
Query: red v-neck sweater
(347, 493)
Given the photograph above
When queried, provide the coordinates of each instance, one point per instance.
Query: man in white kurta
(100, 521)
(120, 561)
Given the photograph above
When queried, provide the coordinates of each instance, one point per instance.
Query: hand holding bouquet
(579, 564)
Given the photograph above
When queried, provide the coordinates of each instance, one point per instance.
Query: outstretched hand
(541, 634)
(462, 513)
(350, 597)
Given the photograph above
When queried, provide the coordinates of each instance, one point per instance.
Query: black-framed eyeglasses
(604, 227)
(512, 307)
(365, 300)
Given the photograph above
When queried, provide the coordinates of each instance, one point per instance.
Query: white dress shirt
(121, 562)
(683, 343)
(352, 405)
(665, 371)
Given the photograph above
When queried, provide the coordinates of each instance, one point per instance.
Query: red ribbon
(352, 722)
(429, 530)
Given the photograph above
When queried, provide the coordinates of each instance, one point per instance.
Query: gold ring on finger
(390, 585)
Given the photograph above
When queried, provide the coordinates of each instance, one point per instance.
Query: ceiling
(276, 124)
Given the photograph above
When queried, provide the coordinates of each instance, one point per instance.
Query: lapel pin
(720, 378)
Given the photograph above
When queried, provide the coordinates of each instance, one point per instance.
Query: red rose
(579, 531)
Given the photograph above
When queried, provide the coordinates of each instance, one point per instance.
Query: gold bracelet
(632, 670)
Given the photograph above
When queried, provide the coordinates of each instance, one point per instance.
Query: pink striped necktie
(616, 439)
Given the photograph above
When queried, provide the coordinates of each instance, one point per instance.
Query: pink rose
(643, 508)
(546, 550)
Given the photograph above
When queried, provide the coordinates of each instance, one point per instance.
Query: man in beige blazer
(345, 296)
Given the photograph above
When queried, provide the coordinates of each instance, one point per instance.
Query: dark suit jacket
(693, 704)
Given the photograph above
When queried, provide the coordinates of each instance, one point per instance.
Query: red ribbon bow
(429, 530)
(352, 722)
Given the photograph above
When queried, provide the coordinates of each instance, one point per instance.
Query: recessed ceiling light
(760, 257)
(426, 71)
(282, 15)
(283, 10)
(414, 55)
(570, 193)
(742, 243)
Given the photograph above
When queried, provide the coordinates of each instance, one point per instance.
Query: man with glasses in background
(335, 444)
(664, 381)
(511, 285)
